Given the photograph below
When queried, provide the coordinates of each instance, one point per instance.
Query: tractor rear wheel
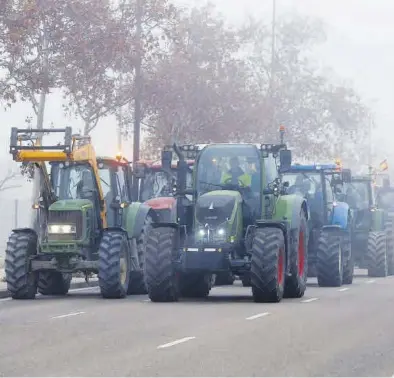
(329, 260)
(54, 283)
(377, 255)
(389, 228)
(21, 282)
(195, 285)
(296, 284)
(268, 265)
(114, 265)
(161, 279)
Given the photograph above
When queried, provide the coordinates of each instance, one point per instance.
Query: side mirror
(285, 160)
(139, 171)
(166, 159)
(347, 175)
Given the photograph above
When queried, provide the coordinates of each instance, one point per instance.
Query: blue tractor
(329, 248)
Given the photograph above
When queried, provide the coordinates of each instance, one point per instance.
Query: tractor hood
(214, 208)
(77, 213)
(71, 204)
(161, 203)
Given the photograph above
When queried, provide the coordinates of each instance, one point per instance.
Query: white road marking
(176, 342)
(344, 289)
(309, 300)
(257, 316)
(370, 281)
(146, 300)
(67, 315)
(5, 299)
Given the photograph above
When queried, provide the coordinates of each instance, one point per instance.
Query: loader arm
(74, 149)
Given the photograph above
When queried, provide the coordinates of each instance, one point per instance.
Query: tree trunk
(37, 182)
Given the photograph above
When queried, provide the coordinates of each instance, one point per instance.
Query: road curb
(4, 293)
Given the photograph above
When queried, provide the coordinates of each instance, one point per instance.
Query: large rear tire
(268, 265)
(161, 279)
(377, 255)
(21, 282)
(296, 284)
(114, 265)
(54, 283)
(329, 260)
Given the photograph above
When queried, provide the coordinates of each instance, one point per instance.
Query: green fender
(134, 217)
(377, 220)
(288, 209)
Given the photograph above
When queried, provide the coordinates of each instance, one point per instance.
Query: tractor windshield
(358, 194)
(228, 166)
(305, 183)
(74, 181)
(158, 184)
(385, 199)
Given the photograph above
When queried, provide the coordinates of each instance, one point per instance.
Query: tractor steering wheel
(228, 182)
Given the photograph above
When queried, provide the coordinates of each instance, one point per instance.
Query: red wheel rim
(301, 254)
(281, 266)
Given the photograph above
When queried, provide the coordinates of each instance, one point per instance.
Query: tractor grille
(67, 217)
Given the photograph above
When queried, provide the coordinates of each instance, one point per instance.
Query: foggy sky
(359, 47)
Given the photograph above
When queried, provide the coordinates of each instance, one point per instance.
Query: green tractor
(239, 222)
(372, 236)
(86, 221)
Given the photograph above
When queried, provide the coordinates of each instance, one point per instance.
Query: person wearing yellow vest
(235, 175)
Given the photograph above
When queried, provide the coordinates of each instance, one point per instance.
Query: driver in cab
(235, 175)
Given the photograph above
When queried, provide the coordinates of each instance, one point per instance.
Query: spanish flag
(383, 165)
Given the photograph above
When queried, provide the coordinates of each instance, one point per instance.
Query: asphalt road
(344, 331)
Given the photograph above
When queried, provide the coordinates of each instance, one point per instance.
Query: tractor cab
(227, 175)
(319, 184)
(157, 183)
(360, 196)
(322, 186)
(102, 183)
(156, 186)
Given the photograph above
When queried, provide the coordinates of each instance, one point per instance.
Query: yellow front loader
(88, 221)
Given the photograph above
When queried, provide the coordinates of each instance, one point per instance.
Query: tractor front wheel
(195, 285)
(161, 279)
(296, 284)
(54, 283)
(329, 260)
(114, 265)
(389, 228)
(137, 282)
(21, 282)
(268, 265)
(377, 255)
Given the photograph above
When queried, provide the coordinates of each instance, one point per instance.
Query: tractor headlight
(62, 229)
(201, 233)
(220, 235)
